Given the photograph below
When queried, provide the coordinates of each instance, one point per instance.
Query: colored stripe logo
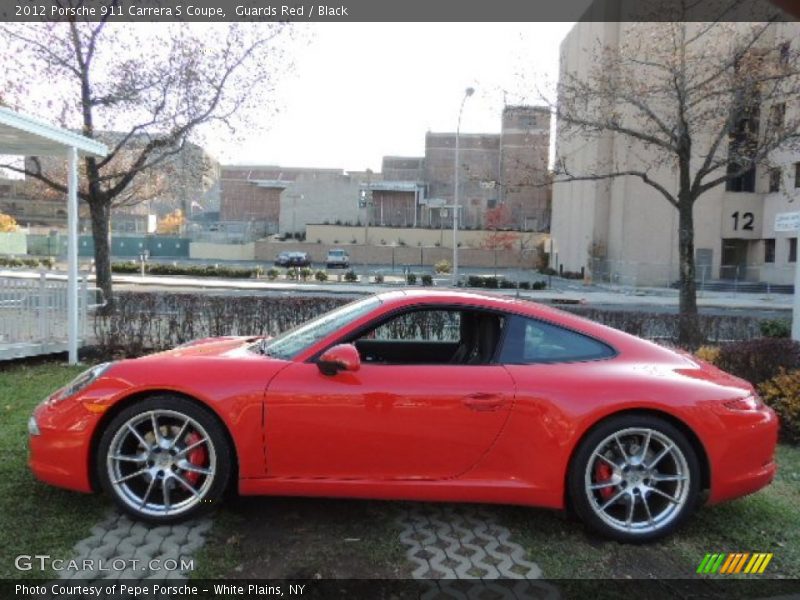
(734, 562)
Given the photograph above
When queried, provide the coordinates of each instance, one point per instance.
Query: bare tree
(155, 87)
(686, 99)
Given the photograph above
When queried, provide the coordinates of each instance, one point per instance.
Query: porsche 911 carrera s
(417, 395)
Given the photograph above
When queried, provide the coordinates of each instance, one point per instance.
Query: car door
(385, 421)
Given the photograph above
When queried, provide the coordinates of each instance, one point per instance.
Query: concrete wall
(13, 243)
(211, 251)
(380, 236)
(401, 255)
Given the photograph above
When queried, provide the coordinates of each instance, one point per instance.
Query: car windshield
(289, 344)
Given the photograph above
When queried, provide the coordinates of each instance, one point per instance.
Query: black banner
(400, 589)
(390, 10)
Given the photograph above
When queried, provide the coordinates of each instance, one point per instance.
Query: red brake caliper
(602, 473)
(197, 456)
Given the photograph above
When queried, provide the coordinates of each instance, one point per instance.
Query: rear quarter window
(531, 341)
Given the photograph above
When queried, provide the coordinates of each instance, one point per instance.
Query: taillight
(751, 402)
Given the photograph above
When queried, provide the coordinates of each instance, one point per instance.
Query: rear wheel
(634, 478)
(164, 459)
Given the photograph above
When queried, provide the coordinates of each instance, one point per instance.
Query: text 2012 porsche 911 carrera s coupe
(421, 395)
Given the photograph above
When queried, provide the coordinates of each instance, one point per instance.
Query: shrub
(491, 282)
(443, 266)
(411, 279)
(33, 263)
(572, 275)
(379, 278)
(475, 281)
(190, 270)
(305, 273)
(539, 285)
(548, 271)
(126, 267)
(292, 273)
(506, 284)
(427, 279)
(760, 359)
(401, 242)
(272, 274)
(710, 354)
(782, 393)
(321, 276)
(525, 285)
(351, 276)
(776, 328)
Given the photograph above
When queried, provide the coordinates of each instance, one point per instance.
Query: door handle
(484, 402)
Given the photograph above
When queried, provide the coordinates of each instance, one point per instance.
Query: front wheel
(164, 459)
(634, 478)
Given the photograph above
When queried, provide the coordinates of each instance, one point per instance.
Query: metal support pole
(796, 300)
(467, 93)
(72, 255)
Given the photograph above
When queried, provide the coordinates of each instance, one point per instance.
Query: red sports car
(418, 395)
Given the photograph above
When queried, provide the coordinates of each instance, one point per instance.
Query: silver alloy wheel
(150, 463)
(637, 480)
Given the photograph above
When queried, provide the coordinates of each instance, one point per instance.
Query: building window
(769, 250)
(784, 51)
(775, 179)
(777, 114)
(797, 174)
(793, 250)
(744, 182)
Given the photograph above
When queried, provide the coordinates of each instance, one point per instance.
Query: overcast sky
(360, 91)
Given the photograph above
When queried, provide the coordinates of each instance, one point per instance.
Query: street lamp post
(467, 93)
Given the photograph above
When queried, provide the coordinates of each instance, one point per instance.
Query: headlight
(80, 382)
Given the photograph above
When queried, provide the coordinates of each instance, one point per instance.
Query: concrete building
(506, 168)
(286, 199)
(623, 230)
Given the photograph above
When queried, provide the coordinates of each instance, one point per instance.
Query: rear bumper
(743, 460)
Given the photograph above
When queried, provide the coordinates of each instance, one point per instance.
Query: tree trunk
(689, 334)
(101, 216)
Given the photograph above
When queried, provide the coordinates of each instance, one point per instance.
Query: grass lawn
(768, 521)
(34, 518)
(310, 536)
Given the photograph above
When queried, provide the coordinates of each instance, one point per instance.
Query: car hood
(208, 347)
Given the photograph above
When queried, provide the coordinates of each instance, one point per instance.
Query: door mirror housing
(343, 357)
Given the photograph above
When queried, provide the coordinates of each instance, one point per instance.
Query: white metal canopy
(25, 136)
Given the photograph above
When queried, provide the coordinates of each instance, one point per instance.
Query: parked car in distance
(337, 258)
(416, 395)
(282, 260)
(293, 259)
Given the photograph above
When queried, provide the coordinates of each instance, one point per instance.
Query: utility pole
(467, 93)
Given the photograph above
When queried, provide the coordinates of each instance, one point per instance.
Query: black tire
(635, 484)
(166, 407)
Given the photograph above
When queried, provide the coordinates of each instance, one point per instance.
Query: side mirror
(343, 357)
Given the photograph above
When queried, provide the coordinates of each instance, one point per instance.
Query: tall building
(509, 168)
(494, 169)
(623, 230)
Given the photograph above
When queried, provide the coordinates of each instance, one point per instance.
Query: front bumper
(743, 457)
(59, 454)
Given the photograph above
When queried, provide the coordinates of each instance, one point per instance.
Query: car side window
(532, 341)
(421, 325)
(433, 336)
